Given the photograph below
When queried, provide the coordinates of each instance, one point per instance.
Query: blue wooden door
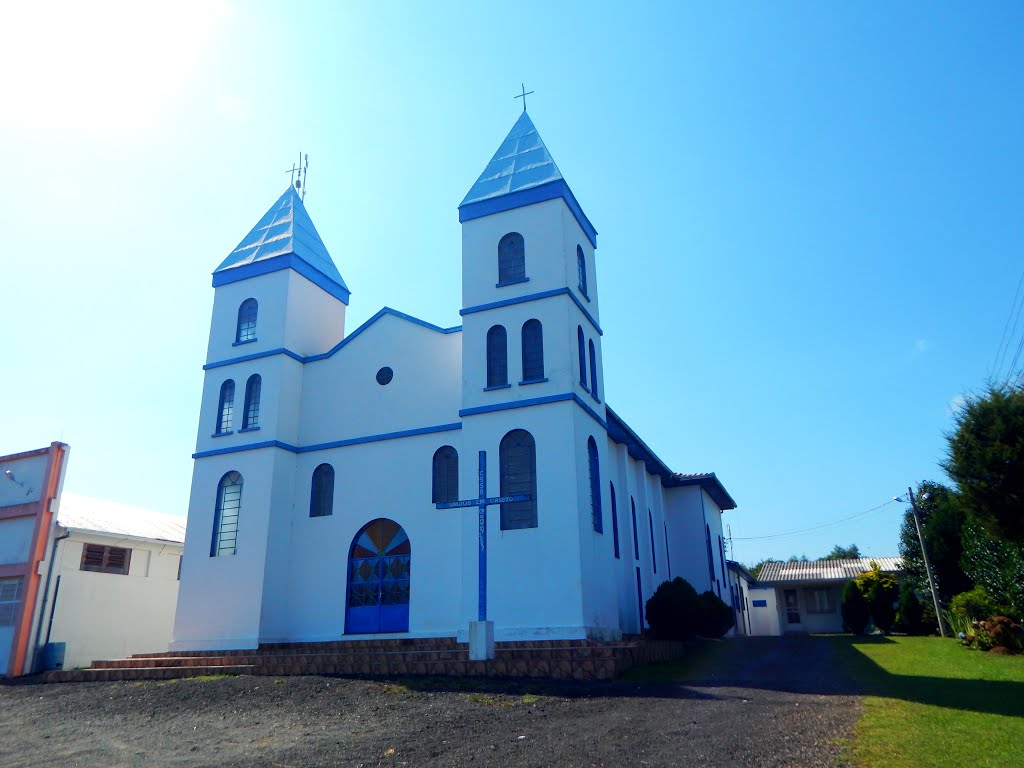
(378, 580)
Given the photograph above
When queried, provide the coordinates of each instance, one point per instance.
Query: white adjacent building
(321, 455)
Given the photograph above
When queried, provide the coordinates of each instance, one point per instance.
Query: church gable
(394, 373)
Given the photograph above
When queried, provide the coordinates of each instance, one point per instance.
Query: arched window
(321, 495)
(511, 259)
(581, 269)
(518, 459)
(615, 521)
(225, 518)
(583, 355)
(225, 407)
(654, 554)
(595, 485)
(246, 328)
(497, 357)
(636, 540)
(445, 486)
(251, 415)
(533, 351)
(593, 370)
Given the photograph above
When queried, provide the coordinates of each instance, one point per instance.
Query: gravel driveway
(769, 702)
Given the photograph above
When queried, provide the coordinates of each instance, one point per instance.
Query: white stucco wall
(104, 615)
(764, 620)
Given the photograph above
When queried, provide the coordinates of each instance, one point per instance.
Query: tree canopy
(839, 552)
(986, 460)
(942, 520)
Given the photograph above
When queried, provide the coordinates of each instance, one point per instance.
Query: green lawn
(931, 703)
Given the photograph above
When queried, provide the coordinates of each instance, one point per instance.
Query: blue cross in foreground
(483, 502)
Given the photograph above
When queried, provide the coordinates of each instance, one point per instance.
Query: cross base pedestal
(481, 640)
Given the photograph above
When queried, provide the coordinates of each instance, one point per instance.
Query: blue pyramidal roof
(284, 238)
(522, 172)
(521, 162)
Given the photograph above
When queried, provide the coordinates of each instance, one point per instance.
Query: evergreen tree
(942, 520)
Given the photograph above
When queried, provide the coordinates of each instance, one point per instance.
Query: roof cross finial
(523, 95)
(301, 169)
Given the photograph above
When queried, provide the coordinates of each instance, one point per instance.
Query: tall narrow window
(581, 268)
(225, 518)
(615, 521)
(654, 554)
(636, 538)
(518, 459)
(251, 415)
(511, 258)
(711, 556)
(583, 355)
(225, 407)
(668, 557)
(593, 370)
(445, 486)
(321, 494)
(533, 351)
(497, 357)
(595, 485)
(246, 328)
(721, 561)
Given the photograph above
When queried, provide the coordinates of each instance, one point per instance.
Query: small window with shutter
(103, 559)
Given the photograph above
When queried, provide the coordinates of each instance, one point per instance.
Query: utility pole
(927, 565)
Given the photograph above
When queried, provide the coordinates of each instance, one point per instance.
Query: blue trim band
(224, 433)
(534, 297)
(249, 429)
(336, 347)
(550, 191)
(276, 264)
(497, 386)
(532, 381)
(562, 397)
(334, 444)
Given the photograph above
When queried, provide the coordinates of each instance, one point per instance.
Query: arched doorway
(378, 579)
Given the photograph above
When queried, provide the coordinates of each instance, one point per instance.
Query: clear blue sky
(810, 218)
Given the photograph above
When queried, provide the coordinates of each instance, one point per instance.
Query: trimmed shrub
(676, 612)
(714, 618)
(910, 617)
(672, 609)
(855, 609)
(882, 593)
(974, 605)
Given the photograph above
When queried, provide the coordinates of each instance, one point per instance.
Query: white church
(322, 457)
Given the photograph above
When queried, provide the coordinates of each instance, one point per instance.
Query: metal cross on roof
(301, 169)
(523, 95)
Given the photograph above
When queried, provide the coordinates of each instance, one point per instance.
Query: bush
(974, 605)
(676, 612)
(998, 634)
(910, 617)
(671, 610)
(855, 609)
(882, 593)
(714, 618)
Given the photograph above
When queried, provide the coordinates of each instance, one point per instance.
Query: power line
(830, 524)
(1007, 338)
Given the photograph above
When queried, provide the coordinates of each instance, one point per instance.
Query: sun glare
(101, 68)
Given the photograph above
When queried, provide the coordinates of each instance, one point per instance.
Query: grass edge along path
(930, 702)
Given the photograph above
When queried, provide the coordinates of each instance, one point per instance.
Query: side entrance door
(378, 580)
(792, 607)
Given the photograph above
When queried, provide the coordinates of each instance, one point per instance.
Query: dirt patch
(320, 721)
